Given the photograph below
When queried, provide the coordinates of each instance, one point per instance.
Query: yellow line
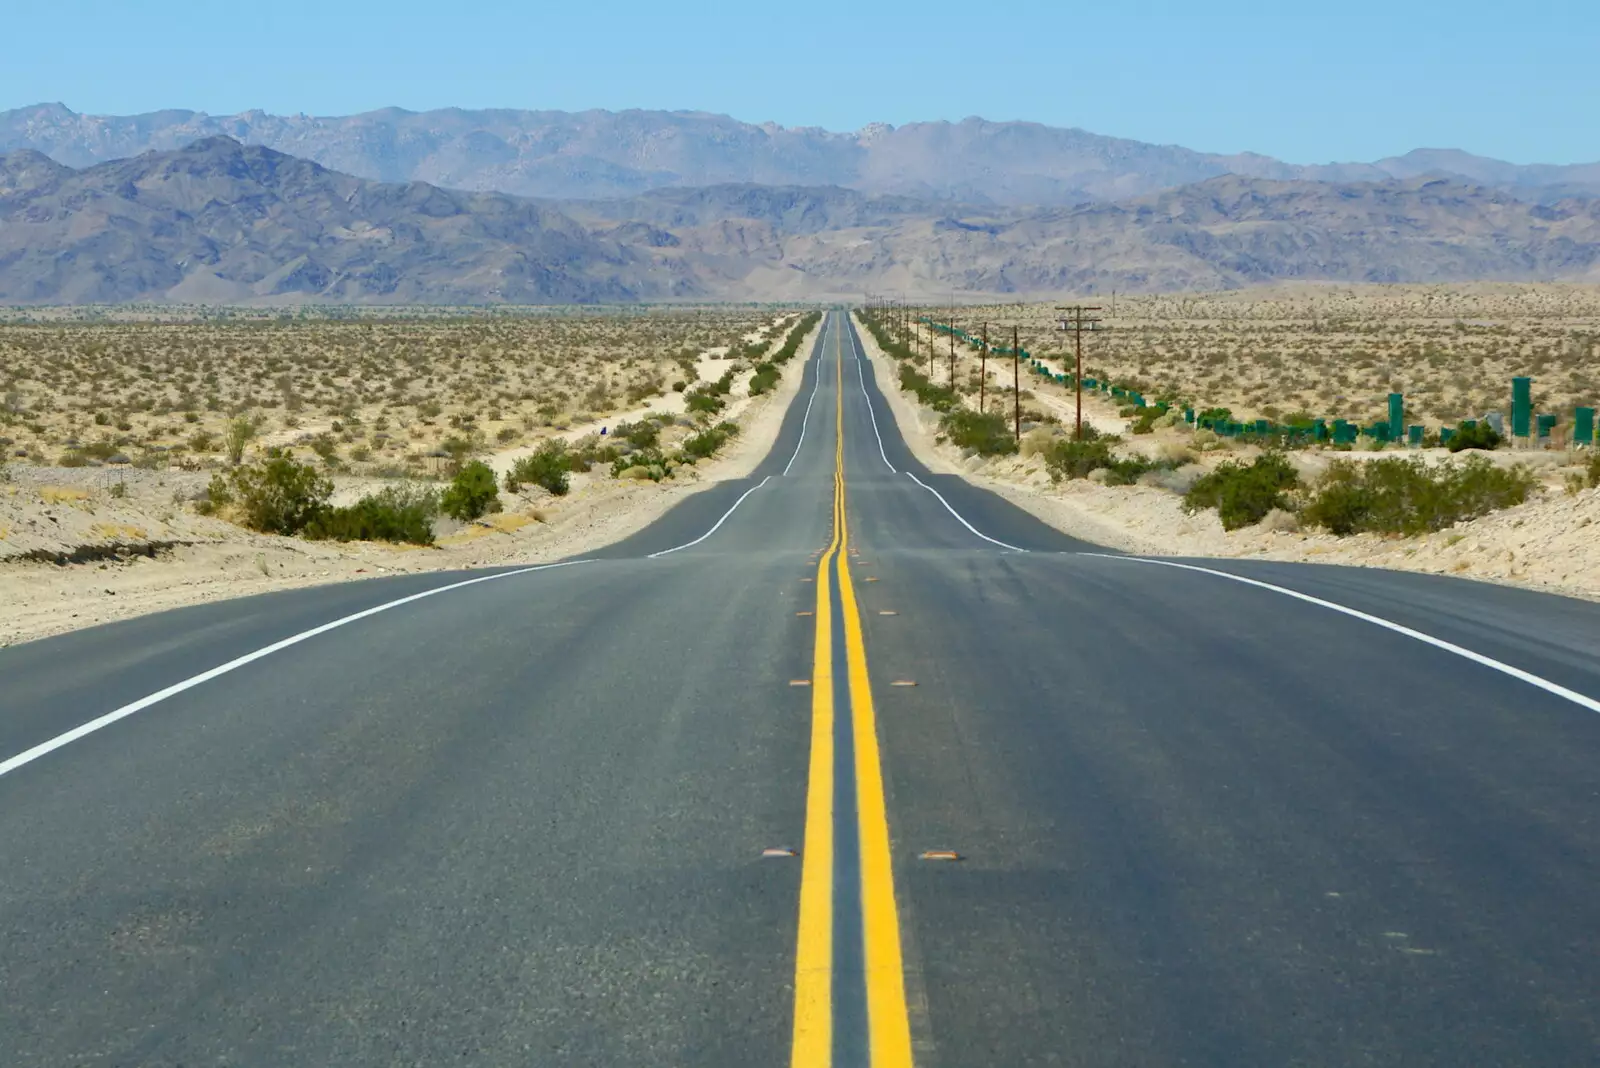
(813, 961)
(889, 1027)
(888, 1022)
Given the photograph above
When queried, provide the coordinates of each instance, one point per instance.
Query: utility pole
(983, 366)
(952, 350)
(1016, 385)
(1076, 319)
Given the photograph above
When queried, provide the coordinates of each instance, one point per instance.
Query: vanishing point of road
(845, 763)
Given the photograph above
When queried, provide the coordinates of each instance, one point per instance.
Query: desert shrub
(459, 450)
(325, 447)
(649, 459)
(641, 435)
(791, 343)
(240, 430)
(1068, 459)
(1588, 478)
(396, 514)
(1406, 496)
(765, 378)
(704, 399)
(939, 398)
(985, 433)
(1126, 471)
(547, 466)
(709, 440)
(279, 495)
(1243, 494)
(1144, 419)
(218, 494)
(1477, 436)
(472, 493)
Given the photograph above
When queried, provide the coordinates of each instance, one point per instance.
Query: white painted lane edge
(960, 519)
(28, 756)
(1490, 662)
(855, 347)
(815, 385)
(715, 525)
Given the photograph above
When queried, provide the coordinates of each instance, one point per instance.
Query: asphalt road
(1199, 821)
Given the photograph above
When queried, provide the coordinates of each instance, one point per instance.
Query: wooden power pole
(1076, 319)
(983, 366)
(952, 350)
(1016, 385)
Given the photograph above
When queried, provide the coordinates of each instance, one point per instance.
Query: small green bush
(1478, 436)
(472, 493)
(939, 398)
(1406, 496)
(548, 466)
(984, 432)
(708, 441)
(650, 459)
(279, 495)
(240, 430)
(396, 514)
(1588, 478)
(641, 435)
(765, 378)
(1144, 418)
(704, 399)
(791, 343)
(1068, 459)
(1243, 494)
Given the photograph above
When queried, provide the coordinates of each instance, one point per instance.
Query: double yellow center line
(888, 1024)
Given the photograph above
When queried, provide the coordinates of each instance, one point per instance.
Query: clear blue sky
(1306, 82)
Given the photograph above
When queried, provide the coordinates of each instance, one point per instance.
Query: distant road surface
(1326, 816)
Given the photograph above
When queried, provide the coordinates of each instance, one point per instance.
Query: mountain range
(217, 221)
(604, 154)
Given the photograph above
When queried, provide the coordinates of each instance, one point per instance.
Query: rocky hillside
(220, 222)
(604, 154)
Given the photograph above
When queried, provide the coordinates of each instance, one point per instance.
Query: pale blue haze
(1309, 83)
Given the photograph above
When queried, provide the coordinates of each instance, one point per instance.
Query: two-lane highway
(1326, 816)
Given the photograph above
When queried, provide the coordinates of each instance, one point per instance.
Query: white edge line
(715, 525)
(815, 384)
(959, 519)
(28, 756)
(861, 363)
(1378, 621)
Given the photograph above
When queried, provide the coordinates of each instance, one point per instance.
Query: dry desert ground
(1455, 347)
(1333, 351)
(113, 430)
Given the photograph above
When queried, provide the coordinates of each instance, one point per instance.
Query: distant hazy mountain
(599, 154)
(219, 222)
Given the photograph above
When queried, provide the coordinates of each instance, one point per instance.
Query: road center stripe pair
(888, 1024)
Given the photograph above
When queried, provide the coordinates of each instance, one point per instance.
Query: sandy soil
(1548, 543)
(53, 511)
(1337, 350)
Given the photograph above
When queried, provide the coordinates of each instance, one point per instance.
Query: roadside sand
(54, 510)
(1548, 543)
